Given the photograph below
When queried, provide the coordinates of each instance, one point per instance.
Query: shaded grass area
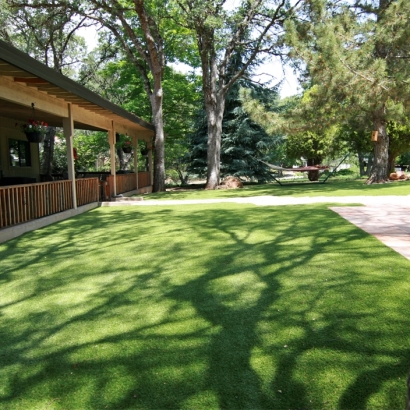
(332, 187)
(203, 307)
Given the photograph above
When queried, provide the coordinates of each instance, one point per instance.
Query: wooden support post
(68, 126)
(151, 168)
(111, 140)
(135, 144)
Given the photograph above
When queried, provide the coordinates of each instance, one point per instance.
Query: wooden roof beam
(30, 80)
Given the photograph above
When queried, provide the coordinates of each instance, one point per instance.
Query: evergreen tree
(243, 142)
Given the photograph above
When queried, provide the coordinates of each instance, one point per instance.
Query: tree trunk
(159, 141)
(369, 165)
(362, 163)
(48, 152)
(121, 158)
(215, 116)
(391, 162)
(313, 175)
(379, 172)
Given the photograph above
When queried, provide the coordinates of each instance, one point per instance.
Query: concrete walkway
(385, 217)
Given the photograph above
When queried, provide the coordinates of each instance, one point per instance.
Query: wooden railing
(23, 203)
(127, 182)
(143, 179)
(88, 190)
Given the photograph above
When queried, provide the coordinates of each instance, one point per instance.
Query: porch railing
(88, 191)
(128, 182)
(23, 203)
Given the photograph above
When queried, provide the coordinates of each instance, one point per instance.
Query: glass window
(20, 155)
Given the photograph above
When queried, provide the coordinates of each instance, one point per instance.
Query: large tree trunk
(215, 116)
(379, 172)
(159, 141)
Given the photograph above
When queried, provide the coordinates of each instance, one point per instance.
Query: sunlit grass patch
(333, 187)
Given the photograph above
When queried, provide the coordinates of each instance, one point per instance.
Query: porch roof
(24, 81)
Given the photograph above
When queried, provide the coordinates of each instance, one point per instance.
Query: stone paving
(385, 217)
(389, 225)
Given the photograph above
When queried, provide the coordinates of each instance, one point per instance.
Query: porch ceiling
(24, 76)
(22, 113)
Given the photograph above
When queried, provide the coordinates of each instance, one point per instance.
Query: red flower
(34, 126)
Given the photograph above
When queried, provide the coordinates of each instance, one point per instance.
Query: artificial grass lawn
(203, 307)
(333, 187)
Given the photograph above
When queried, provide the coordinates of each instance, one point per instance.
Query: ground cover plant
(203, 307)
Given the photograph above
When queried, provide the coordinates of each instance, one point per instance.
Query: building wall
(9, 130)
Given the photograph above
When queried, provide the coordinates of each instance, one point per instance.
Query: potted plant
(127, 147)
(144, 152)
(34, 130)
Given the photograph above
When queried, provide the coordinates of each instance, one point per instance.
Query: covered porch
(25, 83)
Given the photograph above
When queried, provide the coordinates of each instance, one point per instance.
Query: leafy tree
(354, 136)
(314, 147)
(48, 36)
(176, 165)
(120, 83)
(139, 27)
(93, 151)
(297, 121)
(253, 28)
(356, 56)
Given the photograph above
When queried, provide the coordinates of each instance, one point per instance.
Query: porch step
(127, 198)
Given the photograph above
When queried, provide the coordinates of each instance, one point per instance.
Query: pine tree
(243, 142)
(356, 55)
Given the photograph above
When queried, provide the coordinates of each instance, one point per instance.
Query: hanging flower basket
(35, 136)
(144, 152)
(127, 147)
(34, 130)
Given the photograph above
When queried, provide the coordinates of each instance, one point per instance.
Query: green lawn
(220, 306)
(331, 188)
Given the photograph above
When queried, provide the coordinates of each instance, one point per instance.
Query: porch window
(20, 155)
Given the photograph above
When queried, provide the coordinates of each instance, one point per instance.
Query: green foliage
(175, 163)
(355, 58)
(310, 145)
(50, 36)
(93, 151)
(399, 138)
(59, 164)
(118, 81)
(295, 119)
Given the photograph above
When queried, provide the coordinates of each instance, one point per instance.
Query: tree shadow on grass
(200, 307)
(231, 373)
